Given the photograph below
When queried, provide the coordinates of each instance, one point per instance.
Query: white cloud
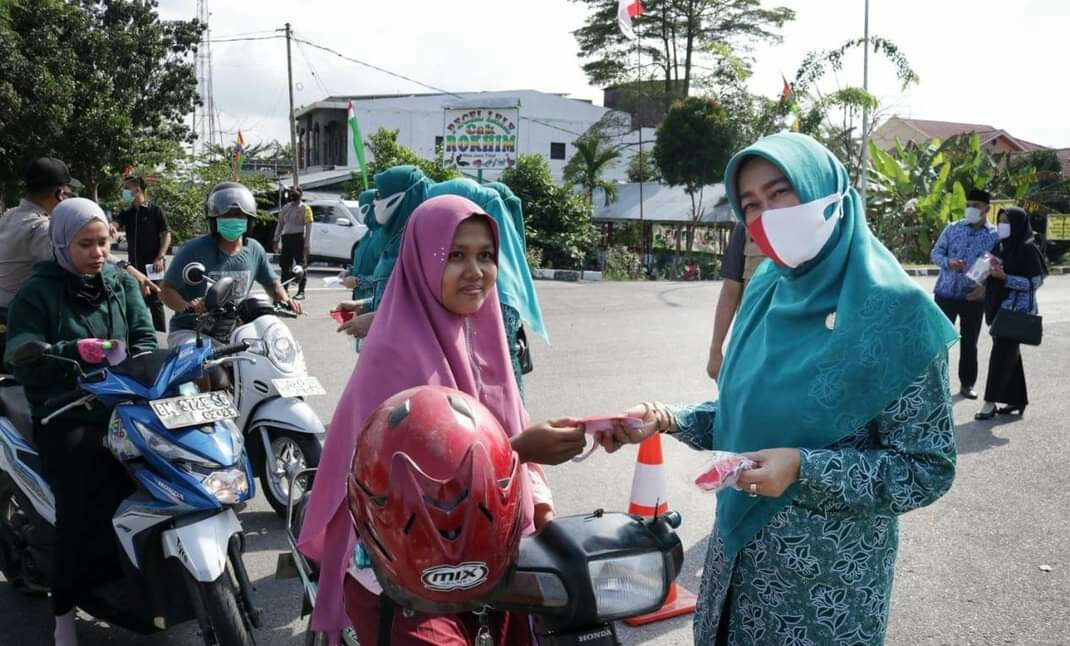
(984, 61)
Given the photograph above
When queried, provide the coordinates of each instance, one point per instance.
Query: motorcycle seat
(143, 368)
(16, 408)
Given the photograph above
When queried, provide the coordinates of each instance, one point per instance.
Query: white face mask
(1004, 229)
(796, 234)
(973, 215)
(384, 209)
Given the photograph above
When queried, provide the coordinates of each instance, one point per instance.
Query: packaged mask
(982, 268)
(722, 470)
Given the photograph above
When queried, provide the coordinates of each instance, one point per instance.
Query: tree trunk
(691, 29)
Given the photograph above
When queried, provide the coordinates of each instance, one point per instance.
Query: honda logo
(464, 576)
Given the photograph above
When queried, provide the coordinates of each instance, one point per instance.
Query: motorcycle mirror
(221, 292)
(30, 352)
(193, 273)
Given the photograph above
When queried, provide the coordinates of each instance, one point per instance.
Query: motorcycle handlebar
(226, 350)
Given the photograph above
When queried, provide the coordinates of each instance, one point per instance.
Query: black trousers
(1006, 374)
(293, 252)
(155, 305)
(970, 315)
(88, 485)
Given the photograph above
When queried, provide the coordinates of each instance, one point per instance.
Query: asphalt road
(969, 569)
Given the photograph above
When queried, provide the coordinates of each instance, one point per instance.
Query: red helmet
(435, 495)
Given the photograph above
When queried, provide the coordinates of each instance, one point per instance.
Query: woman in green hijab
(835, 383)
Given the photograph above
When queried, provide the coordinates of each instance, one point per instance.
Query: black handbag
(524, 351)
(1021, 327)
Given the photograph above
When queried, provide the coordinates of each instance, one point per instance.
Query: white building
(548, 124)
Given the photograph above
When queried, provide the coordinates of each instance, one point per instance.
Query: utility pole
(864, 172)
(293, 121)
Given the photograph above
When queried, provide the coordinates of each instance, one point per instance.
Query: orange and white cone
(649, 499)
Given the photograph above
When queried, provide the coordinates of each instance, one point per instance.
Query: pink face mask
(796, 234)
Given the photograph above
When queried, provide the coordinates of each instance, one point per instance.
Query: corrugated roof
(944, 130)
(664, 204)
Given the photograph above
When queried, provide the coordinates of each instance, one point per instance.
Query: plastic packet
(596, 426)
(341, 316)
(981, 268)
(722, 470)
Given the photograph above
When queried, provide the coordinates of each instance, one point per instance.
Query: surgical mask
(231, 228)
(1004, 229)
(973, 215)
(796, 234)
(385, 209)
(127, 197)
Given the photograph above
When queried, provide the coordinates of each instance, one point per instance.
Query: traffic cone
(648, 500)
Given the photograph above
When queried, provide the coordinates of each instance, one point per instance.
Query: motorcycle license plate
(194, 410)
(298, 387)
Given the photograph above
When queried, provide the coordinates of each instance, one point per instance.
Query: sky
(980, 61)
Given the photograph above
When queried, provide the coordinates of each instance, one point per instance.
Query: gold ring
(753, 490)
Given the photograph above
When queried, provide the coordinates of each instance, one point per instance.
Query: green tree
(678, 36)
(593, 157)
(643, 169)
(692, 148)
(89, 82)
(386, 153)
(556, 219)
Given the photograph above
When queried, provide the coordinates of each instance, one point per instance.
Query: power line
(312, 70)
(421, 83)
(241, 40)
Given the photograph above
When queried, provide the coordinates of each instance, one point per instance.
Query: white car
(336, 230)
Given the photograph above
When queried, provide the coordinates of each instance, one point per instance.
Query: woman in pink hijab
(439, 324)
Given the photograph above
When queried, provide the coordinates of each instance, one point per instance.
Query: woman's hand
(350, 306)
(554, 441)
(358, 326)
(544, 513)
(349, 282)
(656, 417)
(998, 273)
(776, 470)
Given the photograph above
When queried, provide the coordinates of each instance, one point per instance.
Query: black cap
(48, 172)
(977, 195)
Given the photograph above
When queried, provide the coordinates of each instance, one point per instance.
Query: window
(324, 214)
(557, 150)
(439, 142)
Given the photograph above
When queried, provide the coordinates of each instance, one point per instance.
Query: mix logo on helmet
(464, 576)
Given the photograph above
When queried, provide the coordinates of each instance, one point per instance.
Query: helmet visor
(226, 200)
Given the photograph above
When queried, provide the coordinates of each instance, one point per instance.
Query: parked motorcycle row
(196, 425)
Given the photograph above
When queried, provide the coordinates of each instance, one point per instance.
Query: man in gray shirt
(293, 235)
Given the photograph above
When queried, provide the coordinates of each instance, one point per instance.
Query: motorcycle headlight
(626, 586)
(281, 349)
(169, 451)
(118, 440)
(227, 486)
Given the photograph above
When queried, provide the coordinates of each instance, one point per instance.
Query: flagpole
(639, 120)
(865, 117)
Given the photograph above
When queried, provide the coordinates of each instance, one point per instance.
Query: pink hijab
(414, 341)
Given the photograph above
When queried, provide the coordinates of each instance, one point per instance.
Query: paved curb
(567, 275)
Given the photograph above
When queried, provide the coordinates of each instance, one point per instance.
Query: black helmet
(228, 197)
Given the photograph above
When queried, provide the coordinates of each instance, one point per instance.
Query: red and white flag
(628, 10)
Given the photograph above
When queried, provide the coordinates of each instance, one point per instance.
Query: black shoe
(981, 416)
(1011, 410)
(968, 392)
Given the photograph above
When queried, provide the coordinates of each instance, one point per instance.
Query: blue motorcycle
(179, 538)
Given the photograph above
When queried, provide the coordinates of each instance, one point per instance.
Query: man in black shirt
(147, 238)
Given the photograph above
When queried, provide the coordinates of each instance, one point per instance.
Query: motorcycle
(178, 538)
(578, 576)
(269, 382)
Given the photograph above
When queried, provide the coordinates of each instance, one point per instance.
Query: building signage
(481, 138)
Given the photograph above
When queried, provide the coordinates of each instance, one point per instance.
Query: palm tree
(593, 156)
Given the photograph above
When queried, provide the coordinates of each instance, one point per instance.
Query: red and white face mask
(795, 234)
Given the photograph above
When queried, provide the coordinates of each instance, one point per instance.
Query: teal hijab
(788, 380)
(515, 207)
(396, 179)
(367, 254)
(515, 287)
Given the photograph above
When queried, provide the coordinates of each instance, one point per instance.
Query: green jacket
(43, 310)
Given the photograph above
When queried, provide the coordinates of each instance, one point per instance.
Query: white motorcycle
(270, 381)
